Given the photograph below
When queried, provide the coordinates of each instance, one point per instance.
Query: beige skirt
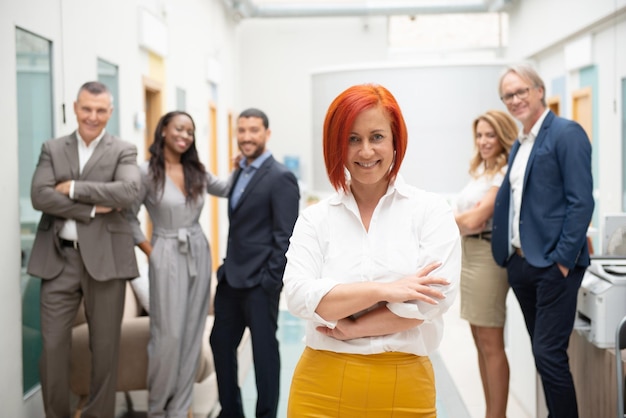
(484, 285)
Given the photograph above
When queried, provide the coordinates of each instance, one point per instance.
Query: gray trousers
(104, 307)
(180, 276)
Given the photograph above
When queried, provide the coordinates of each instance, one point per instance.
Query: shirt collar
(93, 143)
(534, 131)
(243, 164)
(397, 186)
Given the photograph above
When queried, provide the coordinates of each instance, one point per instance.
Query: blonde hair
(506, 131)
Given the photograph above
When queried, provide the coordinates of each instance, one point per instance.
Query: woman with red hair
(372, 269)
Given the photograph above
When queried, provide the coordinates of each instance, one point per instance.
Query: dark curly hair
(193, 169)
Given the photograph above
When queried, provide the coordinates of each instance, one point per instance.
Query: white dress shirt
(85, 152)
(476, 189)
(518, 170)
(409, 229)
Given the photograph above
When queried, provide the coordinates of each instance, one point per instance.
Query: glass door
(35, 125)
(108, 75)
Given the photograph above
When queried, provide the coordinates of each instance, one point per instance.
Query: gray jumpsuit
(179, 276)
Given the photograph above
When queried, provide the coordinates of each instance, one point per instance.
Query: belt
(483, 235)
(519, 252)
(68, 243)
(184, 245)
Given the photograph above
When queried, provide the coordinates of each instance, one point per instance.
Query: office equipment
(601, 300)
(614, 234)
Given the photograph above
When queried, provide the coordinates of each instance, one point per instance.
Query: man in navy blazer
(541, 215)
(262, 207)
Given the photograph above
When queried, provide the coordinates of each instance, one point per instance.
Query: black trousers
(236, 309)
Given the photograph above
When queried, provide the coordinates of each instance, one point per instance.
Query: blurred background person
(540, 221)
(359, 271)
(83, 249)
(174, 183)
(262, 209)
(484, 284)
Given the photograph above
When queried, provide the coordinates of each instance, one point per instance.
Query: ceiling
(243, 9)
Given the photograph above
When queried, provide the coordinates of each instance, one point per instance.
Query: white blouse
(409, 229)
(476, 189)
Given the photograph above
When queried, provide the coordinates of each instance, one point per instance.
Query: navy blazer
(260, 227)
(557, 199)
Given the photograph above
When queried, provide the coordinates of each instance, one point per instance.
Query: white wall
(439, 104)
(604, 21)
(536, 25)
(81, 32)
(276, 60)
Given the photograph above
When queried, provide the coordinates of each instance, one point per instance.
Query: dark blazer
(260, 227)
(110, 178)
(557, 199)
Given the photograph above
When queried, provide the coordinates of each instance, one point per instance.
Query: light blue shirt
(247, 172)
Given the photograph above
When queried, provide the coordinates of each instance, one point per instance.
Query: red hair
(339, 121)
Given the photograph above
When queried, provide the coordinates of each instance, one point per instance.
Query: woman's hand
(419, 286)
(342, 330)
(380, 321)
(349, 298)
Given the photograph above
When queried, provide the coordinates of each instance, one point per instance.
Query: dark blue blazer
(557, 199)
(260, 227)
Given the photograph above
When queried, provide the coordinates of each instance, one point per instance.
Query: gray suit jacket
(110, 178)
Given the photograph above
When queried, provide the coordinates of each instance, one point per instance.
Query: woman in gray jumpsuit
(174, 182)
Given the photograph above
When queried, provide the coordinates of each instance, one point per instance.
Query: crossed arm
(472, 221)
(51, 196)
(345, 299)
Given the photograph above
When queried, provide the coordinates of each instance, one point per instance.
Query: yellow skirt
(336, 385)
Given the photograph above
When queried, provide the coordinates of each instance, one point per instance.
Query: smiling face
(487, 142)
(178, 135)
(526, 110)
(93, 111)
(251, 137)
(370, 148)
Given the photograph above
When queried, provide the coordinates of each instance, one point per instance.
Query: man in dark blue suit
(541, 215)
(263, 207)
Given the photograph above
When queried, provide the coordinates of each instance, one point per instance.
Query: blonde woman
(484, 284)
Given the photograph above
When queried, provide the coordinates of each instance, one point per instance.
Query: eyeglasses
(521, 94)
